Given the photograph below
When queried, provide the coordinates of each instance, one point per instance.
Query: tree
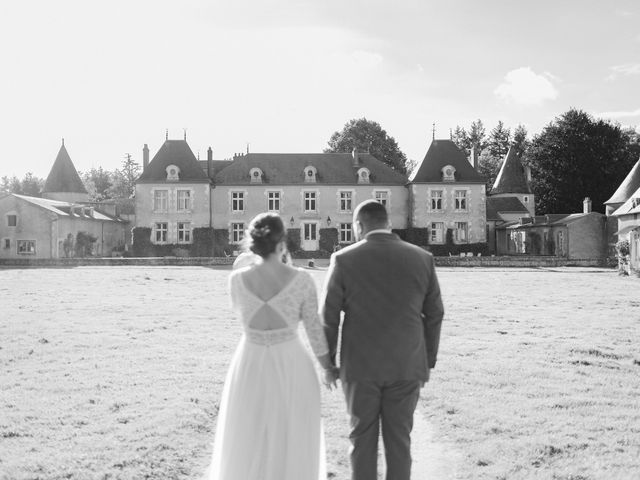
(473, 138)
(499, 141)
(576, 156)
(29, 185)
(368, 136)
(489, 167)
(98, 182)
(520, 141)
(124, 180)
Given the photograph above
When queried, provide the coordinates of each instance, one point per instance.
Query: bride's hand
(330, 378)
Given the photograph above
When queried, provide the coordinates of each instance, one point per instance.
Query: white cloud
(366, 59)
(620, 114)
(525, 87)
(625, 69)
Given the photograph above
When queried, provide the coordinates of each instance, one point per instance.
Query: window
(345, 233)
(256, 175)
(363, 175)
(460, 200)
(437, 232)
(273, 201)
(448, 173)
(173, 173)
(184, 200)
(26, 247)
(345, 201)
(436, 200)
(7, 243)
(160, 232)
(382, 197)
(160, 200)
(184, 232)
(237, 201)
(525, 199)
(12, 220)
(237, 232)
(462, 232)
(310, 174)
(309, 201)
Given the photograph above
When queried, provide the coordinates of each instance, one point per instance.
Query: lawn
(116, 373)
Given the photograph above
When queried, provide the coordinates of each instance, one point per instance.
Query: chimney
(473, 158)
(355, 156)
(145, 157)
(586, 204)
(210, 163)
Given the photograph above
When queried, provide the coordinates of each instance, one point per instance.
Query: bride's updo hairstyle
(264, 234)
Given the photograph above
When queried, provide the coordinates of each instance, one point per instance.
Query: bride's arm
(312, 323)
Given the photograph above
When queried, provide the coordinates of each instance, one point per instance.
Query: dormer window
(310, 174)
(364, 175)
(173, 173)
(256, 175)
(448, 173)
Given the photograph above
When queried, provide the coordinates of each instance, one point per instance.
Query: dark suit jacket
(390, 296)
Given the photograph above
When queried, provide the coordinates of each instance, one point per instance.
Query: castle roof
(67, 209)
(63, 176)
(216, 164)
(178, 153)
(440, 154)
(497, 205)
(630, 206)
(511, 178)
(288, 169)
(628, 186)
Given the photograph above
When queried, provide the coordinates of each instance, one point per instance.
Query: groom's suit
(390, 296)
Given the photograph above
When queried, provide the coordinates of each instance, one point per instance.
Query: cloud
(523, 86)
(625, 69)
(366, 59)
(620, 114)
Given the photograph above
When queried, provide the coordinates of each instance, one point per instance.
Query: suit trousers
(372, 404)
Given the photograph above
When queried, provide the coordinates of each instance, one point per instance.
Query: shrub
(221, 247)
(141, 242)
(84, 244)
(293, 240)
(328, 239)
(203, 242)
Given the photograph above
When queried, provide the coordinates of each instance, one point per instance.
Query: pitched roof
(178, 153)
(631, 206)
(217, 165)
(511, 178)
(440, 154)
(288, 169)
(63, 176)
(64, 209)
(628, 186)
(497, 205)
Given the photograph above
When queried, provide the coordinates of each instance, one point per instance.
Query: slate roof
(288, 169)
(497, 205)
(631, 206)
(628, 186)
(511, 178)
(63, 209)
(440, 154)
(178, 153)
(217, 166)
(555, 219)
(63, 176)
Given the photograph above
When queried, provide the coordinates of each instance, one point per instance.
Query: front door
(310, 237)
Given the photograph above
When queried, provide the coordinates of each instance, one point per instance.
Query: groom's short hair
(372, 214)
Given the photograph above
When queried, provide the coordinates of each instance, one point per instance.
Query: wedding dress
(269, 425)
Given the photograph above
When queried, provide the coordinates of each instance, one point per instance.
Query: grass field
(116, 373)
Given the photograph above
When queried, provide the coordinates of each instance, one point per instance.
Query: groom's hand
(330, 377)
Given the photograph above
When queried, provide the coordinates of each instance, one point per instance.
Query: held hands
(331, 376)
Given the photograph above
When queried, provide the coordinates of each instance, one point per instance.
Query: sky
(283, 75)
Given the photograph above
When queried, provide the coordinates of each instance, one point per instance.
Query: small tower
(63, 182)
(513, 181)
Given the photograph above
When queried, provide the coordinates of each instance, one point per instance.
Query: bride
(269, 424)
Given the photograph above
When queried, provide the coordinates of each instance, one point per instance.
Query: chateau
(179, 197)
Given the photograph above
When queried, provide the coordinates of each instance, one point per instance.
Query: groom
(389, 293)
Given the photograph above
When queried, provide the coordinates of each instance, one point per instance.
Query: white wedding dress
(269, 425)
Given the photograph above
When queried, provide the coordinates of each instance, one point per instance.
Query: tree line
(100, 184)
(574, 156)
